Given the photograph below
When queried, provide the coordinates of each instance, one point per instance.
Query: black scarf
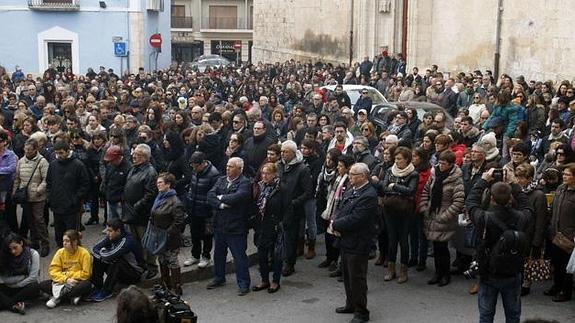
(437, 189)
(266, 190)
(19, 265)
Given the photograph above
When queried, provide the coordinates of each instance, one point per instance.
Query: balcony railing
(54, 5)
(182, 22)
(228, 23)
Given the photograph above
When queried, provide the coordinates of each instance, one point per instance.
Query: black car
(380, 113)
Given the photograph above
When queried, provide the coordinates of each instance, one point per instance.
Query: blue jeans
(510, 289)
(237, 243)
(310, 224)
(114, 210)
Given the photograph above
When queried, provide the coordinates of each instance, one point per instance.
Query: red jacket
(423, 176)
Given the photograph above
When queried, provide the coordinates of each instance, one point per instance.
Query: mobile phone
(498, 174)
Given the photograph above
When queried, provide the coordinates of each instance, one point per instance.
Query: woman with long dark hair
(19, 272)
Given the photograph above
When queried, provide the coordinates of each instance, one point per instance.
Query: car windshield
(355, 94)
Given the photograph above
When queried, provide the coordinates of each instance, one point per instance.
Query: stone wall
(537, 38)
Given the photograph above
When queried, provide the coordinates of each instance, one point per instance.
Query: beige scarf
(402, 172)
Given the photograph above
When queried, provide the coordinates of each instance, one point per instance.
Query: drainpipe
(497, 40)
(404, 31)
(351, 34)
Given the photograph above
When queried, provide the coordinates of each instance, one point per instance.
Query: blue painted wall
(95, 28)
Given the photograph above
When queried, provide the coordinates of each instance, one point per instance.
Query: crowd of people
(265, 147)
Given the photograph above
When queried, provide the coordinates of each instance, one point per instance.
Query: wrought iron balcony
(182, 22)
(54, 5)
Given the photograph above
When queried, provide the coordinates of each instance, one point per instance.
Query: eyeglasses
(354, 174)
(236, 121)
(365, 129)
(560, 153)
(364, 93)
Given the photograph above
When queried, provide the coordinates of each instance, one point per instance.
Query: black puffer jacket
(197, 191)
(115, 180)
(67, 184)
(140, 191)
(255, 149)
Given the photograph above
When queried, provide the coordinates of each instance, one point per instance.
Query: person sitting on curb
(119, 257)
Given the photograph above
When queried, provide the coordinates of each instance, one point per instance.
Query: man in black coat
(139, 195)
(354, 224)
(116, 169)
(490, 224)
(202, 178)
(295, 181)
(67, 184)
(230, 198)
(256, 146)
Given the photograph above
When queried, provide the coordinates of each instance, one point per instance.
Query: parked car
(212, 61)
(354, 92)
(380, 113)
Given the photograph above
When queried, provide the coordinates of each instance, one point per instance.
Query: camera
(473, 270)
(171, 308)
(498, 175)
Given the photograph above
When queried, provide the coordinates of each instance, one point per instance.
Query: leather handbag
(155, 240)
(537, 270)
(561, 241)
(21, 195)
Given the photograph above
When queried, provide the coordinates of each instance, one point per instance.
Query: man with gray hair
(295, 181)
(139, 194)
(355, 224)
(230, 197)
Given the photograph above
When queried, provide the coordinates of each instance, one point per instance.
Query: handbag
(155, 240)
(21, 195)
(561, 241)
(537, 270)
(400, 203)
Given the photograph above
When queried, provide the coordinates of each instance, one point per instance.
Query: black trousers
(354, 269)
(64, 222)
(10, 296)
(442, 257)
(119, 271)
(82, 288)
(201, 242)
(331, 252)
(561, 278)
(397, 227)
(291, 239)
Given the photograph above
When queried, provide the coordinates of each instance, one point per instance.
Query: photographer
(507, 219)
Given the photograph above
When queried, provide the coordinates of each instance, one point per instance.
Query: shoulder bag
(21, 194)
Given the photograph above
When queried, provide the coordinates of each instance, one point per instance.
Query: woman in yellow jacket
(70, 272)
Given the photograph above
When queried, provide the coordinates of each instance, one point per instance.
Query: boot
(165, 274)
(390, 271)
(310, 249)
(380, 260)
(402, 274)
(300, 247)
(176, 277)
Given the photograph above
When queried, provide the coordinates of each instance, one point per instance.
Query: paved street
(311, 296)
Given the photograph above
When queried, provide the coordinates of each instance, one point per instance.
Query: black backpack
(506, 257)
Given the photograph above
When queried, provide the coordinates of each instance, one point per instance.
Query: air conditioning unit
(155, 5)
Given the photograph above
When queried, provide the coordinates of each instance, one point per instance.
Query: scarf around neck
(163, 197)
(402, 172)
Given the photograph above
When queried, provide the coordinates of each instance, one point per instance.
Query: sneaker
(102, 296)
(19, 308)
(92, 295)
(191, 261)
(53, 302)
(205, 262)
(75, 300)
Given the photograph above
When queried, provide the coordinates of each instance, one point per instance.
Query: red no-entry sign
(238, 45)
(156, 40)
